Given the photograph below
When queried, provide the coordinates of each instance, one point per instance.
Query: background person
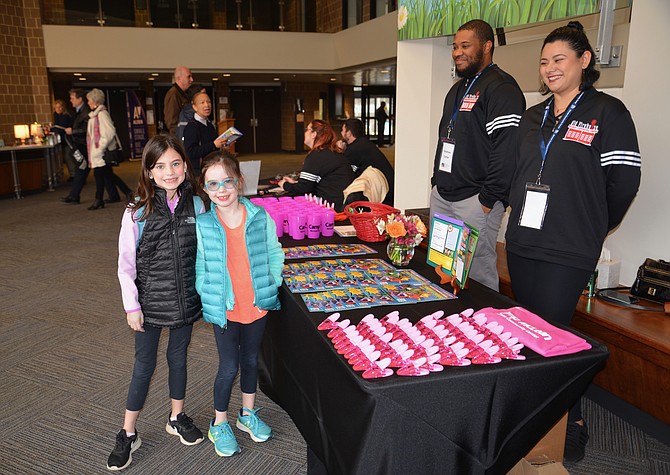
(63, 120)
(474, 157)
(187, 113)
(100, 136)
(381, 117)
(77, 135)
(200, 135)
(361, 154)
(325, 172)
(587, 180)
(176, 98)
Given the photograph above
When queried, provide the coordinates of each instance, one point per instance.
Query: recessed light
(226, 75)
(333, 79)
(215, 79)
(275, 79)
(82, 79)
(151, 78)
(77, 74)
(154, 74)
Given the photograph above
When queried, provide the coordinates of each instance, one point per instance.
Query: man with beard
(474, 160)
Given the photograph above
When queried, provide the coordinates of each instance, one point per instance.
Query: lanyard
(450, 127)
(544, 147)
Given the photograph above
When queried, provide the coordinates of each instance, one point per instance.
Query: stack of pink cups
(301, 216)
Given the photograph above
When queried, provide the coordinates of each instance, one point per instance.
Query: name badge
(534, 207)
(447, 155)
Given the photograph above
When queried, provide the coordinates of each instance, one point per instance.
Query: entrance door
(257, 113)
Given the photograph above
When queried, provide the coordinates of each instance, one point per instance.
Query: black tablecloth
(474, 419)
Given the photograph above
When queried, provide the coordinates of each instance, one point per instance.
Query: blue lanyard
(544, 147)
(450, 127)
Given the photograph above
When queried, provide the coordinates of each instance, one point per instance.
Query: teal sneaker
(223, 438)
(254, 426)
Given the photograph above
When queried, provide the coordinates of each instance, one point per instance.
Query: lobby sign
(137, 124)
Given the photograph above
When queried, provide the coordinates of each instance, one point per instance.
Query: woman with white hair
(100, 136)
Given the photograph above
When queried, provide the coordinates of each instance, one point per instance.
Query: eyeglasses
(228, 184)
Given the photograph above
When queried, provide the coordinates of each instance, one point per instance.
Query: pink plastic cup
(297, 226)
(313, 225)
(327, 222)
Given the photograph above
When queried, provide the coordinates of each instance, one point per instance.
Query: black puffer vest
(166, 263)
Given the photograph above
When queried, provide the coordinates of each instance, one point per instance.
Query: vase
(400, 254)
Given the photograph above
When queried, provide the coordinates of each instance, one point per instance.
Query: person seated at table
(325, 172)
(363, 154)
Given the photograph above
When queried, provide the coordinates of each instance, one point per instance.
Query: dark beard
(472, 68)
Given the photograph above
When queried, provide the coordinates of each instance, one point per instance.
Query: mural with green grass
(430, 18)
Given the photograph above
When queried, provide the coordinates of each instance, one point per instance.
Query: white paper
(251, 171)
(533, 209)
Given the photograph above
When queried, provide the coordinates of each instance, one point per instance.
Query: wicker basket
(365, 223)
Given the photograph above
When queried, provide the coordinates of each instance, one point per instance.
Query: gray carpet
(66, 356)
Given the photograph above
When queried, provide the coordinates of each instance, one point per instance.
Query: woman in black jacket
(325, 172)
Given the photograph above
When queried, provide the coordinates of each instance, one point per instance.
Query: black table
(474, 419)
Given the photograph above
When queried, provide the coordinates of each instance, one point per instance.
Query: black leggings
(238, 347)
(549, 290)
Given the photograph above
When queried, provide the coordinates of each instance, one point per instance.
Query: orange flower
(396, 229)
(421, 227)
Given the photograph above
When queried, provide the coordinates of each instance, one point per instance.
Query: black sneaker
(576, 437)
(184, 427)
(121, 456)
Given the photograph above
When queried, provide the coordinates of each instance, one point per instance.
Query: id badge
(447, 155)
(534, 207)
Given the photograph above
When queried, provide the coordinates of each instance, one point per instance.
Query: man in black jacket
(77, 135)
(474, 160)
(361, 154)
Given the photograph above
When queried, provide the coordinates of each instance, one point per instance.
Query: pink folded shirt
(534, 332)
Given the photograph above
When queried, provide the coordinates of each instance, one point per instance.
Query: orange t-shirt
(239, 271)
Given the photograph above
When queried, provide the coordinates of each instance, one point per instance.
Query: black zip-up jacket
(325, 174)
(80, 127)
(166, 263)
(485, 135)
(593, 168)
(199, 141)
(362, 153)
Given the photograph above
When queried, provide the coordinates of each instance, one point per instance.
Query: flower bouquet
(406, 232)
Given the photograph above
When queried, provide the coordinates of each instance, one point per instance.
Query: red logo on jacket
(581, 132)
(469, 102)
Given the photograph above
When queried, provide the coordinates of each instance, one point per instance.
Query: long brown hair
(325, 136)
(230, 164)
(146, 189)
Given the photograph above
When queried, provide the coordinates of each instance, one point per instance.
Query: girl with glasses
(238, 272)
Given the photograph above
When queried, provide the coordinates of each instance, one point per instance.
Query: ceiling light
(82, 79)
(333, 79)
(215, 79)
(275, 79)
(154, 74)
(385, 71)
(151, 79)
(226, 75)
(77, 74)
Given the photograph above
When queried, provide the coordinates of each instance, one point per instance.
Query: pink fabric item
(534, 332)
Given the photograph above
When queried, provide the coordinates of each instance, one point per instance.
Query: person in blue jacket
(238, 271)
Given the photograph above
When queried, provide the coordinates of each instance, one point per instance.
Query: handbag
(653, 281)
(114, 157)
